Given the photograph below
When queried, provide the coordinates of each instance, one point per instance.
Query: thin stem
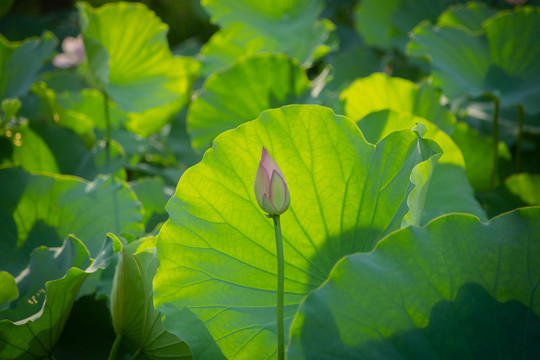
(519, 138)
(107, 124)
(114, 349)
(280, 288)
(52, 357)
(136, 354)
(495, 143)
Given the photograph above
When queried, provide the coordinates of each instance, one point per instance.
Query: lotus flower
(73, 53)
(270, 186)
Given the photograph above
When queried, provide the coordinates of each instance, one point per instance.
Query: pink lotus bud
(270, 186)
(73, 53)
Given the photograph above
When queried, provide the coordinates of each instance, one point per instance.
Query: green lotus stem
(52, 357)
(114, 349)
(519, 138)
(280, 288)
(136, 354)
(107, 124)
(495, 143)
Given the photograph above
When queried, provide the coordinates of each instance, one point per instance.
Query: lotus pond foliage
(394, 212)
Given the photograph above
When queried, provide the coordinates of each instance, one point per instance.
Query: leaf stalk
(280, 287)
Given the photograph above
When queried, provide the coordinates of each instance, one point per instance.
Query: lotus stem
(280, 288)
(519, 138)
(114, 349)
(107, 124)
(495, 143)
(136, 354)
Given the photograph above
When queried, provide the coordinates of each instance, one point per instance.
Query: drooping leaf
(132, 306)
(380, 91)
(525, 186)
(141, 77)
(43, 209)
(216, 282)
(449, 191)
(456, 289)
(470, 16)
(48, 287)
(240, 93)
(386, 24)
(21, 61)
(500, 62)
(250, 27)
(478, 154)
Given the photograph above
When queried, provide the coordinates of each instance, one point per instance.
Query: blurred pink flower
(73, 53)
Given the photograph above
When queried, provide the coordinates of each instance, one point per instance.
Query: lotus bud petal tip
(270, 186)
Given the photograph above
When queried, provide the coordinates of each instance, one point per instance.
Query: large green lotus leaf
(455, 289)
(129, 58)
(240, 93)
(216, 282)
(253, 26)
(502, 62)
(470, 16)
(385, 24)
(132, 307)
(478, 154)
(449, 191)
(48, 287)
(39, 209)
(380, 91)
(525, 186)
(21, 61)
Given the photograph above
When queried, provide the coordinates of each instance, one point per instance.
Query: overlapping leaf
(380, 91)
(386, 24)
(129, 58)
(249, 27)
(48, 287)
(43, 209)
(216, 282)
(450, 290)
(240, 93)
(449, 190)
(500, 62)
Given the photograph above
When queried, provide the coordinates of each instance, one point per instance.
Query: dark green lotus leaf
(501, 62)
(143, 77)
(31, 152)
(449, 191)
(478, 154)
(39, 209)
(385, 24)
(48, 287)
(8, 290)
(254, 26)
(240, 93)
(150, 192)
(132, 307)
(525, 186)
(455, 289)
(470, 16)
(21, 61)
(216, 284)
(380, 91)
